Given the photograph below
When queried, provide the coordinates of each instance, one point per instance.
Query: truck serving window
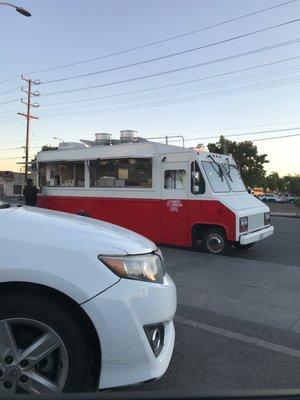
(197, 180)
(123, 172)
(216, 176)
(175, 179)
(234, 177)
(67, 174)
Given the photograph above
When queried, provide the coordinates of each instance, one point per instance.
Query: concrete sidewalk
(284, 210)
(255, 291)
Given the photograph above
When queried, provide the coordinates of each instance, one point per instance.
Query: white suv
(84, 305)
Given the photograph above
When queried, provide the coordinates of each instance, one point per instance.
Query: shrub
(297, 202)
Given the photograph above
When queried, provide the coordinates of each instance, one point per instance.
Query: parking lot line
(238, 336)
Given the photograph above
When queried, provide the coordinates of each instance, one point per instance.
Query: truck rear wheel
(243, 246)
(214, 241)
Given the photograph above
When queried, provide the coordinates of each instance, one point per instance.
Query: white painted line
(238, 336)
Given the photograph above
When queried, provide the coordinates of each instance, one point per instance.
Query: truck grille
(256, 222)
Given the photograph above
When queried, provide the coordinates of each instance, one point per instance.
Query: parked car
(270, 198)
(287, 198)
(84, 304)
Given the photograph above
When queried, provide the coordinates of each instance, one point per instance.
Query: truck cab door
(174, 203)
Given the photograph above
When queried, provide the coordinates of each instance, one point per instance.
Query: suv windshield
(216, 177)
(233, 175)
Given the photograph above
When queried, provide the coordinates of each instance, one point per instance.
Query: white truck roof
(135, 150)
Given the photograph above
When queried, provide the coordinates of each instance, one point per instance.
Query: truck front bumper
(256, 236)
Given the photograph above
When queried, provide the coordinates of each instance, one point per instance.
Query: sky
(261, 102)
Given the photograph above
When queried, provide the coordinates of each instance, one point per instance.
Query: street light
(20, 10)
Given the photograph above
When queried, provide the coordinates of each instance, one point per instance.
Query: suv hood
(39, 225)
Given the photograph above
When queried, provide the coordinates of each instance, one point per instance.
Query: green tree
(251, 163)
(292, 184)
(48, 147)
(273, 183)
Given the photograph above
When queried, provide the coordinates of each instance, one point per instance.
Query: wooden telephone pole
(28, 115)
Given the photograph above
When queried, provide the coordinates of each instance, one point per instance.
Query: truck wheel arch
(198, 230)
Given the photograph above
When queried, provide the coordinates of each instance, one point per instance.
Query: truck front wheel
(214, 241)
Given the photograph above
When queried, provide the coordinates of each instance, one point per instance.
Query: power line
(168, 101)
(163, 40)
(255, 51)
(10, 158)
(9, 112)
(276, 137)
(10, 101)
(237, 127)
(12, 148)
(173, 84)
(173, 54)
(9, 91)
(10, 79)
(242, 134)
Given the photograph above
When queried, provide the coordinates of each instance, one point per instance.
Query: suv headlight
(148, 267)
(243, 224)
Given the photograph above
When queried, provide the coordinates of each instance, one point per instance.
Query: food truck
(172, 195)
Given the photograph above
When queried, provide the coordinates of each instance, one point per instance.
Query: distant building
(12, 183)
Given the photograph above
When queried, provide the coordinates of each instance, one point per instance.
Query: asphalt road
(282, 247)
(238, 318)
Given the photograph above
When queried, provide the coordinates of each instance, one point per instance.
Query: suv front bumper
(119, 315)
(256, 236)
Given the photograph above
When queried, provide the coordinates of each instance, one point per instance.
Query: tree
(251, 164)
(273, 183)
(48, 147)
(292, 184)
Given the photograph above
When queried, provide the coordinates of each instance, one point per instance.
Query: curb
(286, 215)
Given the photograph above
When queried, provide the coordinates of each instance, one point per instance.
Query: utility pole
(28, 115)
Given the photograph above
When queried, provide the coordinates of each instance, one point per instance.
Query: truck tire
(243, 246)
(61, 359)
(214, 241)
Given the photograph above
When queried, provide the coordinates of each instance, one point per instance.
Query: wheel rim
(215, 243)
(33, 358)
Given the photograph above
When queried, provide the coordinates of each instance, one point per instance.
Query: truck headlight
(267, 218)
(243, 224)
(148, 267)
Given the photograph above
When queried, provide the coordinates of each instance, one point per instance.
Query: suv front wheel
(43, 348)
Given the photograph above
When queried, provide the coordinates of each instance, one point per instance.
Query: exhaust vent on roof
(128, 136)
(102, 138)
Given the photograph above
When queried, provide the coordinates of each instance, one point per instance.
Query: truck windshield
(216, 177)
(234, 177)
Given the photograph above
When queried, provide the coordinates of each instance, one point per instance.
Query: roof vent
(102, 138)
(128, 136)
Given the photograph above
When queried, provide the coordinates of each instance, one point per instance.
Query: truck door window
(197, 180)
(175, 179)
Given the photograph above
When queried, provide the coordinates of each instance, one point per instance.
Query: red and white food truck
(170, 194)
